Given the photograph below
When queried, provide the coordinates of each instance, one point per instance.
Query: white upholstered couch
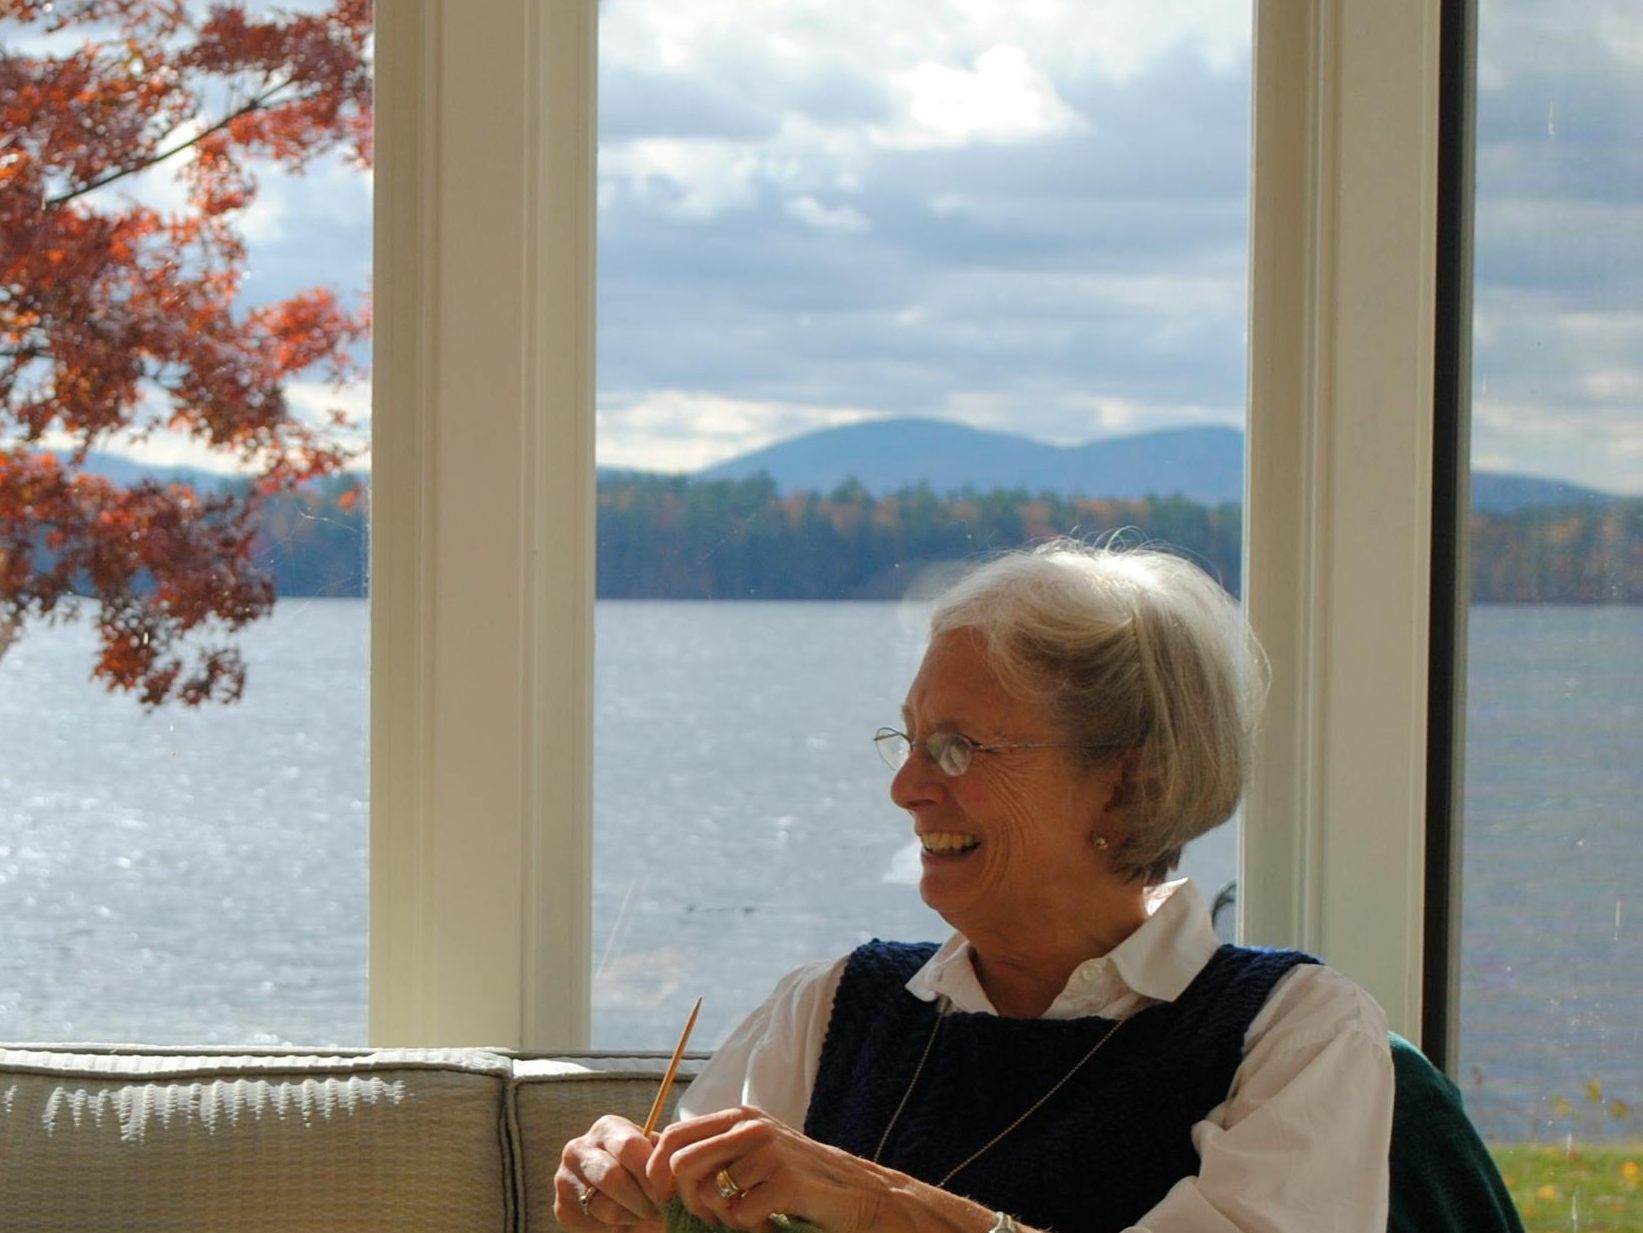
(134, 1139)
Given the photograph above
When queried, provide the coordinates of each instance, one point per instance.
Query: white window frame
(1343, 276)
(482, 523)
(482, 510)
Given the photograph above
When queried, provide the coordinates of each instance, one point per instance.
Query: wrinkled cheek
(1007, 812)
(995, 799)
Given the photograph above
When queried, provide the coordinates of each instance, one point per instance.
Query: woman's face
(1009, 844)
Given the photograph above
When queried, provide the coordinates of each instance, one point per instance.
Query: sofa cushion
(290, 1141)
(556, 1099)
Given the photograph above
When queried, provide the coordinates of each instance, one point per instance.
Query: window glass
(1551, 1011)
(836, 248)
(194, 296)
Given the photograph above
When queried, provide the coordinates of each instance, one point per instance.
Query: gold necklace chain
(1033, 1108)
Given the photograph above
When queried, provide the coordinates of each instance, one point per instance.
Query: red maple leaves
(122, 317)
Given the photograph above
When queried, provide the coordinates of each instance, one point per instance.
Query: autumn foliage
(119, 318)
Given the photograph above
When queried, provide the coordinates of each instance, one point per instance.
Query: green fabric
(1443, 1178)
(678, 1220)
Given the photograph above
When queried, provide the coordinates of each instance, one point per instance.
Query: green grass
(1578, 1189)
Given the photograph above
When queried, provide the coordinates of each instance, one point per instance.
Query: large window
(877, 245)
(1551, 1011)
(183, 874)
(481, 765)
(483, 489)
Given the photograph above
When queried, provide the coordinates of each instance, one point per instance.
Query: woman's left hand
(766, 1166)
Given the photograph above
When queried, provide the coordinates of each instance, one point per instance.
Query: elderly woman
(1082, 1053)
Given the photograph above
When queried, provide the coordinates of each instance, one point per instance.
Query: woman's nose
(918, 782)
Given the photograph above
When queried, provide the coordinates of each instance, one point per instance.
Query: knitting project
(679, 1220)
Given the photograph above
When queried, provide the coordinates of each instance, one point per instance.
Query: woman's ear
(1123, 784)
(1109, 826)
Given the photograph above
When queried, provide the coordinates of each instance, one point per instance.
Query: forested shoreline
(673, 537)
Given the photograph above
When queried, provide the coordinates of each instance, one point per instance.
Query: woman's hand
(772, 1166)
(767, 1166)
(601, 1180)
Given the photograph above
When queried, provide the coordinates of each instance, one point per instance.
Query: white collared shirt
(1298, 1146)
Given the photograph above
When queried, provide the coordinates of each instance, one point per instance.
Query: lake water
(199, 877)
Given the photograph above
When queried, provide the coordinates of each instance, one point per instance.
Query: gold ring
(728, 1189)
(584, 1196)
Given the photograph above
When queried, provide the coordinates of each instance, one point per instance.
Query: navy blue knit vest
(1098, 1154)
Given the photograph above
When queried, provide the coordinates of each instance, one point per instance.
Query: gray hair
(1142, 659)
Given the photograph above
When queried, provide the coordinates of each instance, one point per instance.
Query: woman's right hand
(607, 1165)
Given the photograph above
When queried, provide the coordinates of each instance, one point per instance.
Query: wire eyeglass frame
(950, 752)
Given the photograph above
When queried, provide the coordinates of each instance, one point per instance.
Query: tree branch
(256, 104)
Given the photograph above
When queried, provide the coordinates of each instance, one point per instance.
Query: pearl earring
(1102, 843)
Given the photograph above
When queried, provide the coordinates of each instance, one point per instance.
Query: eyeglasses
(950, 751)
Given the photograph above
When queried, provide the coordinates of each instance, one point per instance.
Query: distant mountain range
(1203, 464)
(1206, 464)
(125, 471)
(705, 535)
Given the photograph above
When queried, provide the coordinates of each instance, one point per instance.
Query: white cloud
(685, 430)
(330, 193)
(1060, 415)
(689, 179)
(818, 78)
(312, 401)
(813, 213)
(1122, 417)
(1617, 28)
(1607, 384)
(1598, 448)
(1538, 39)
(1004, 98)
(1117, 39)
(166, 449)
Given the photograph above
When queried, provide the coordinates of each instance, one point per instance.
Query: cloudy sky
(1558, 324)
(1032, 215)
(953, 208)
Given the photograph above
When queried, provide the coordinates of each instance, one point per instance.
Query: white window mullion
(1344, 195)
(558, 763)
(482, 576)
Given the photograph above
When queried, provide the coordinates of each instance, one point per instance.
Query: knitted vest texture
(1100, 1152)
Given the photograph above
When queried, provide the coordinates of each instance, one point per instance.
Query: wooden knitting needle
(672, 1069)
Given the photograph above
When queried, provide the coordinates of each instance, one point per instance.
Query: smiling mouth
(944, 843)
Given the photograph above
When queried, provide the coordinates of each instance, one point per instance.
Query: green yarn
(677, 1219)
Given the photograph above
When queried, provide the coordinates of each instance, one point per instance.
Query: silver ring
(728, 1189)
(584, 1196)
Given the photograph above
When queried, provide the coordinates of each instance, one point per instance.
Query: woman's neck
(1022, 976)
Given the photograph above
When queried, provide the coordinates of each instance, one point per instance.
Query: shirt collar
(1154, 964)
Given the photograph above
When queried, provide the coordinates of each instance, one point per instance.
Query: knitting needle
(672, 1069)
